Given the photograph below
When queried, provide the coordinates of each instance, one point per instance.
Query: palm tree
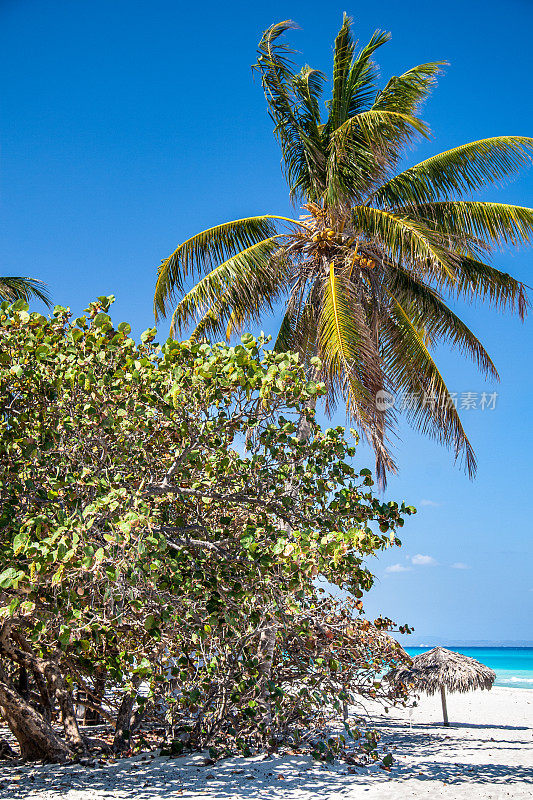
(364, 272)
(12, 289)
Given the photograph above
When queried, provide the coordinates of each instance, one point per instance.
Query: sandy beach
(485, 754)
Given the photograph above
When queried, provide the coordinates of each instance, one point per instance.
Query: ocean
(513, 665)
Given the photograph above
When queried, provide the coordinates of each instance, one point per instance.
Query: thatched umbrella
(443, 669)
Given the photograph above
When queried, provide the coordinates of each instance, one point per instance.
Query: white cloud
(423, 561)
(397, 568)
(460, 565)
(430, 503)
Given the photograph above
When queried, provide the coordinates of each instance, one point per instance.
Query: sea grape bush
(162, 527)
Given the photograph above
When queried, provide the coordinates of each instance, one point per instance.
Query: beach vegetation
(172, 554)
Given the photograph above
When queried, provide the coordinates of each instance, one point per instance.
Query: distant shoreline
(472, 646)
(510, 688)
(479, 643)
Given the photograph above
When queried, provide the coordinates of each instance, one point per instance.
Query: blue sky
(127, 126)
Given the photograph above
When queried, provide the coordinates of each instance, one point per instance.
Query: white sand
(486, 754)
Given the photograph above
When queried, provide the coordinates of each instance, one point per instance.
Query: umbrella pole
(444, 709)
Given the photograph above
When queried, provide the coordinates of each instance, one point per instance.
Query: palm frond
(363, 150)
(218, 321)
(343, 53)
(406, 93)
(463, 169)
(16, 288)
(427, 310)
(209, 248)
(308, 85)
(369, 143)
(351, 170)
(204, 251)
(259, 281)
(361, 84)
(340, 342)
(255, 261)
(406, 241)
(212, 325)
(351, 364)
(304, 154)
(411, 367)
(286, 334)
(476, 280)
(274, 58)
(298, 329)
(283, 89)
(494, 223)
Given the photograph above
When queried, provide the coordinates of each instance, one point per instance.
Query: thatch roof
(439, 667)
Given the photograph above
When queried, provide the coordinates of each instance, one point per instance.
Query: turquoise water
(513, 665)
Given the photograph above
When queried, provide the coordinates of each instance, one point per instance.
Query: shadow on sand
(162, 779)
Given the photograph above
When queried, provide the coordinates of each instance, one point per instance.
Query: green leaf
(9, 578)
(150, 623)
(102, 320)
(20, 543)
